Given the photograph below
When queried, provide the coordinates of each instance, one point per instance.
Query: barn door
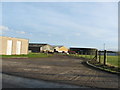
(18, 47)
(9, 47)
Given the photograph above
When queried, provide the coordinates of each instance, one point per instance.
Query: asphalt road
(59, 69)
(10, 81)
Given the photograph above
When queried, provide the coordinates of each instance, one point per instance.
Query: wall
(56, 49)
(47, 48)
(63, 49)
(85, 51)
(3, 45)
(34, 49)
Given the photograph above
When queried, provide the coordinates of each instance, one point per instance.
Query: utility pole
(104, 46)
(105, 55)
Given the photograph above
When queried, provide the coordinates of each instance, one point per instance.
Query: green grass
(104, 67)
(84, 56)
(30, 55)
(39, 55)
(111, 60)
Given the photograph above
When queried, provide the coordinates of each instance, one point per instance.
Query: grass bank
(30, 55)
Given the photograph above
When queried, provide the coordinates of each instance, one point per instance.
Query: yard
(61, 69)
(111, 60)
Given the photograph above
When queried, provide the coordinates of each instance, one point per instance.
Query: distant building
(110, 53)
(13, 46)
(38, 47)
(87, 51)
(60, 49)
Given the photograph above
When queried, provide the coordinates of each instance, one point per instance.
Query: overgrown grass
(30, 55)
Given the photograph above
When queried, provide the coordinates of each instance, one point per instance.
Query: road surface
(60, 69)
(10, 81)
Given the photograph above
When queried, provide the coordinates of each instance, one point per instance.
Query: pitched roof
(57, 46)
(83, 48)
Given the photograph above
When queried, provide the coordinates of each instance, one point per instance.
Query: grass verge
(83, 56)
(104, 67)
(111, 63)
(111, 60)
(30, 55)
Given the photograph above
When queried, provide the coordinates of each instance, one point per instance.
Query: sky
(72, 24)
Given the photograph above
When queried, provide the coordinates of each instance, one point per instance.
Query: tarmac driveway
(61, 69)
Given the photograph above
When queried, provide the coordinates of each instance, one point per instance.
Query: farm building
(13, 46)
(37, 47)
(60, 49)
(84, 51)
(109, 53)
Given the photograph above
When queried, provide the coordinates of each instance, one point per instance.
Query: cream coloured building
(60, 49)
(13, 46)
(38, 47)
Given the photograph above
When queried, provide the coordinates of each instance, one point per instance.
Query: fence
(106, 58)
(103, 57)
(84, 55)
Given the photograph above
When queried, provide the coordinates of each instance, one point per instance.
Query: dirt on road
(60, 68)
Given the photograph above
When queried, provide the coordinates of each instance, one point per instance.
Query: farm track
(62, 69)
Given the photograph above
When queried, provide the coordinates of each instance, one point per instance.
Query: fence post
(85, 54)
(96, 54)
(99, 56)
(105, 55)
(90, 55)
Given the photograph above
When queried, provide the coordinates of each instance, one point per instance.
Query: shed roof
(37, 44)
(57, 46)
(83, 48)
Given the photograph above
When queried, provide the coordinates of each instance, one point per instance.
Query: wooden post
(99, 56)
(90, 55)
(105, 55)
(85, 54)
(96, 54)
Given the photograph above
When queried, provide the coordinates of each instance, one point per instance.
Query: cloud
(49, 35)
(76, 22)
(97, 27)
(4, 28)
(21, 32)
(77, 34)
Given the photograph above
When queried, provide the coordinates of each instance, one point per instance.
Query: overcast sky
(81, 24)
